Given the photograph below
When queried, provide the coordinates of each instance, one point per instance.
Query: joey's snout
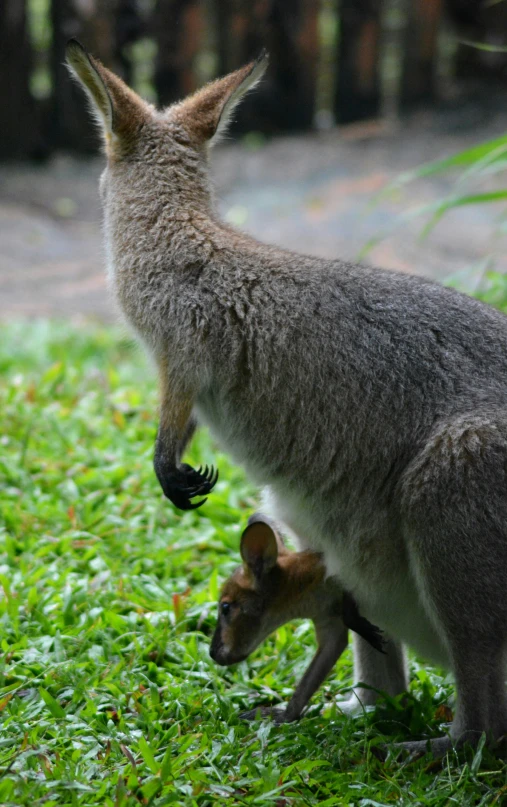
(216, 649)
(221, 654)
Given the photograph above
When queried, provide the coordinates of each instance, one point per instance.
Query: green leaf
(476, 762)
(462, 159)
(438, 209)
(486, 46)
(148, 756)
(53, 705)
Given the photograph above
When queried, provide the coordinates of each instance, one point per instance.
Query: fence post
(178, 27)
(285, 100)
(237, 39)
(358, 90)
(17, 126)
(129, 27)
(93, 24)
(296, 51)
(419, 65)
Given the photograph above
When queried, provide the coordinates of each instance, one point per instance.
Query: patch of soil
(309, 193)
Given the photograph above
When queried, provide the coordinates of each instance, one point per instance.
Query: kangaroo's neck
(150, 208)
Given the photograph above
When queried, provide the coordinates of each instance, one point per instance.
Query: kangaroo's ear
(207, 113)
(117, 109)
(259, 548)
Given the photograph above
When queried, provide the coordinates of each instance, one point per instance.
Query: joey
(275, 586)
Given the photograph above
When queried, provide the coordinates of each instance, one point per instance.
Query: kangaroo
(273, 587)
(371, 404)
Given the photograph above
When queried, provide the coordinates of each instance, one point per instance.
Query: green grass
(107, 602)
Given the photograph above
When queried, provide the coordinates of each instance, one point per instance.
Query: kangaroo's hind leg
(454, 510)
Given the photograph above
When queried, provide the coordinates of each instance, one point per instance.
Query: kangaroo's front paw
(278, 716)
(180, 485)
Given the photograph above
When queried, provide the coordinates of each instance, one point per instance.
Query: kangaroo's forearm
(180, 483)
(170, 445)
(187, 436)
(174, 427)
(322, 663)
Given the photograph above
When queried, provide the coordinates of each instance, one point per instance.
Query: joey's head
(154, 152)
(247, 610)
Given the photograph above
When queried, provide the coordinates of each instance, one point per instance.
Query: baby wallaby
(275, 586)
(371, 404)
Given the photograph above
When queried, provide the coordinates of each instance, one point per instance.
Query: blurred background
(358, 92)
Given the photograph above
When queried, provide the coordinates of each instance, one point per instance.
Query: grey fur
(373, 405)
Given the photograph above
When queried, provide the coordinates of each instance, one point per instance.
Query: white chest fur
(382, 584)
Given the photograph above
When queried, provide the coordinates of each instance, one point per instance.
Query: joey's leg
(385, 672)
(179, 482)
(332, 639)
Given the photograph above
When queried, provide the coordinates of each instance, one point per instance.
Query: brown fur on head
(123, 116)
(118, 110)
(155, 188)
(207, 113)
(272, 586)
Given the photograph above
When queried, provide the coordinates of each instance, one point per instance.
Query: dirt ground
(309, 193)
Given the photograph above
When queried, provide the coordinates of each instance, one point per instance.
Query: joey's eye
(225, 608)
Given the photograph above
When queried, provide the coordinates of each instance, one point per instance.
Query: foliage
(107, 693)
(40, 32)
(476, 184)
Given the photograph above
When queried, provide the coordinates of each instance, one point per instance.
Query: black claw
(193, 490)
(180, 485)
(204, 488)
(183, 504)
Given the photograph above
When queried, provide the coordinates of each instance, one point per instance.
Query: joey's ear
(118, 110)
(257, 517)
(207, 113)
(259, 548)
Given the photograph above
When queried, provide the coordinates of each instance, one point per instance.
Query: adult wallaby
(373, 404)
(275, 586)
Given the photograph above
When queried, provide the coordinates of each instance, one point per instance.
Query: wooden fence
(330, 59)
